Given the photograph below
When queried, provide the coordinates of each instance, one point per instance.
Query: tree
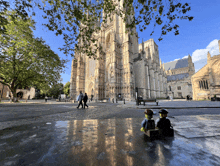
(55, 90)
(24, 60)
(76, 19)
(67, 89)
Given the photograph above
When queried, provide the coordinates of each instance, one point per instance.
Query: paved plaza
(53, 133)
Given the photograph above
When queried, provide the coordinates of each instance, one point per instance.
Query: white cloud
(185, 57)
(199, 64)
(200, 54)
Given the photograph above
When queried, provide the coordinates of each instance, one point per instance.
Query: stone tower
(115, 73)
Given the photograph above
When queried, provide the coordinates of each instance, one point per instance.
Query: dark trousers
(85, 104)
(80, 103)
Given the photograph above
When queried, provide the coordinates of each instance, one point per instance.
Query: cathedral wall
(153, 48)
(206, 82)
(215, 65)
(90, 66)
(140, 78)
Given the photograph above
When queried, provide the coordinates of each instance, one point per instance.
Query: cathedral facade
(124, 66)
(206, 82)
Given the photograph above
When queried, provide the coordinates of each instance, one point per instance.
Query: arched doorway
(91, 91)
(20, 95)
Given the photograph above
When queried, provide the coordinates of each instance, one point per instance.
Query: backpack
(150, 124)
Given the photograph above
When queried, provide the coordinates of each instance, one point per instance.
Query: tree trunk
(14, 97)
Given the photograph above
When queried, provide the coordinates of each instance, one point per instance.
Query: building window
(179, 88)
(203, 84)
(207, 84)
(179, 94)
(170, 88)
(200, 85)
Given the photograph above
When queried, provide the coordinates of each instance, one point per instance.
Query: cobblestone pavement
(21, 113)
(176, 104)
(104, 134)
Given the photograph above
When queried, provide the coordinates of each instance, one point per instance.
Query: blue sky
(196, 37)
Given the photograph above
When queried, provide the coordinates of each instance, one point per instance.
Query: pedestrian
(148, 123)
(46, 98)
(85, 98)
(163, 124)
(80, 98)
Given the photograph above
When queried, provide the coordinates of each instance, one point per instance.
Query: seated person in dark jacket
(148, 123)
(163, 123)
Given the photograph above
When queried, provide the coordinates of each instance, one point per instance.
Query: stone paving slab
(106, 142)
(173, 104)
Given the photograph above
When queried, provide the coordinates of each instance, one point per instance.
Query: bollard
(116, 100)
(124, 101)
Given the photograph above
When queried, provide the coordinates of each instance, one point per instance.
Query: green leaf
(190, 18)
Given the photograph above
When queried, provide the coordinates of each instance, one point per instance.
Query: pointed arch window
(203, 84)
(170, 88)
(200, 85)
(207, 84)
(204, 87)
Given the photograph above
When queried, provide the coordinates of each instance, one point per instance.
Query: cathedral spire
(208, 55)
(160, 63)
(189, 58)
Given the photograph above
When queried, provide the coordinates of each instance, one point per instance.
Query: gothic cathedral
(126, 66)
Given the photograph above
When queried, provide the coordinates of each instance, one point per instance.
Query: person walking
(85, 98)
(80, 98)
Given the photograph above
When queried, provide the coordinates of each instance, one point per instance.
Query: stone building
(179, 73)
(206, 82)
(27, 93)
(4, 91)
(124, 65)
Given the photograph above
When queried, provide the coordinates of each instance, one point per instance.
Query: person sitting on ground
(163, 123)
(148, 123)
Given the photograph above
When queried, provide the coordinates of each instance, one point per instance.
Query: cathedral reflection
(111, 142)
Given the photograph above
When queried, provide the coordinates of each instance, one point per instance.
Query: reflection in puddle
(98, 142)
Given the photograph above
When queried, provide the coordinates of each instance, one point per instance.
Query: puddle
(104, 142)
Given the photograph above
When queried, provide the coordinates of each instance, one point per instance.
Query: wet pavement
(115, 141)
